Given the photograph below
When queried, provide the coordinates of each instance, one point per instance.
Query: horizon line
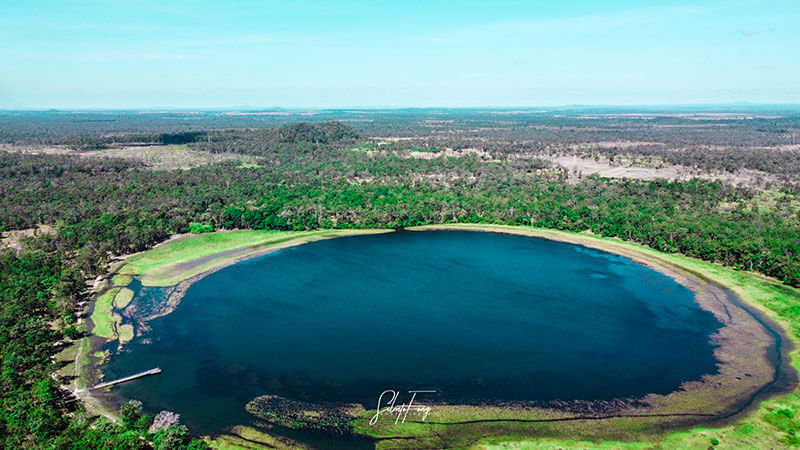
(254, 108)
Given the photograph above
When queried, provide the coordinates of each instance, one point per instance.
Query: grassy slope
(120, 280)
(161, 266)
(102, 315)
(242, 437)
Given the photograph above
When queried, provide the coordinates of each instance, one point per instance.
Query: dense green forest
(329, 175)
(40, 289)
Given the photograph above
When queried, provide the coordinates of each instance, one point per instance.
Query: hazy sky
(141, 53)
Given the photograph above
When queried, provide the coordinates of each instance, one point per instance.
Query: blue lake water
(478, 317)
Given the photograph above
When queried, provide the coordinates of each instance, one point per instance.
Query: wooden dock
(155, 371)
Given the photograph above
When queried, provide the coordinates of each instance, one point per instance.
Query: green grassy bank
(190, 255)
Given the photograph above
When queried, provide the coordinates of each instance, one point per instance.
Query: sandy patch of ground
(605, 168)
(615, 144)
(37, 149)
(15, 239)
(449, 152)
(387, 140)
(787, 147)
(578, 166)
(166, 157)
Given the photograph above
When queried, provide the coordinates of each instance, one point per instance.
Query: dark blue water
(478, 317)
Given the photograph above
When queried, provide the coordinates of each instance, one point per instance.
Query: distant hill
(315, 133)
(301, 137)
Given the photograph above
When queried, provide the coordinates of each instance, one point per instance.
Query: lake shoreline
(710, 294)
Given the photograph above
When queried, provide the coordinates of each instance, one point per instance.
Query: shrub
(199, 228)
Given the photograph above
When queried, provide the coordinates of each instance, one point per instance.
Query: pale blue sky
(204, 54)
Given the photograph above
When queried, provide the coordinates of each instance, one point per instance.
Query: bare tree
(164, 420)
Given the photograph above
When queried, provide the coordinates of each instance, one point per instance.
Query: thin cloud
(749, 32)
(599, 22)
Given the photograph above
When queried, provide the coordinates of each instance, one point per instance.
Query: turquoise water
(477, 317)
